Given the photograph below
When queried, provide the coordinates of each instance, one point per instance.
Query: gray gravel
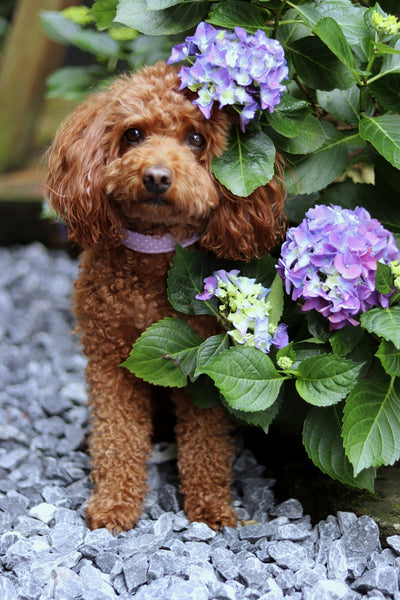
(46, 550)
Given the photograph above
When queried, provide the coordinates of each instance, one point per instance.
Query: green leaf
(317, 66)
(263, 269)
(348, 16)
(186, 279)
(73, 83)
(389, 356)
(103, 12)
(148, 49)
(162, 4)
(345, 104)
(246, 377)
(64, 31)
(384, 134)
(391, 59)
(384, 322)
(387, 92)
(327, 379)
(292, 106)
(345, 340)
(383, 278)
(371, 425)
(311, 173)
(262, 418)
(247, 164)
(305, 135)
(203, 392)
(323, 443)
(328, 30)
(234, 13)
(209, 349)
(165, 354)
(175, 19)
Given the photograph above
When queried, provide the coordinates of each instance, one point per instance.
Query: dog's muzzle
(157, 179)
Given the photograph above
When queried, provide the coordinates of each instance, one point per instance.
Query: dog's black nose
(157, 179)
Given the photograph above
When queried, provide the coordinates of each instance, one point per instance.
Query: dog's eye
(134, 135)
(196, 140)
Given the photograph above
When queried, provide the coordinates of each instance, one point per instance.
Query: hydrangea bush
(318, 324)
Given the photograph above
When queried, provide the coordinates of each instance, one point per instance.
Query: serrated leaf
(247, 164)
(327, 379)
(328, 30)
(371, 425)
(323, 443)
(384, 134)
(317, 66)
(384, 322)
(236, 13)
(246, 377)
(311, 173)
(297, 136)
(345, 104)
(203, 392)
(186, 279)
(389, 356)
(174, 19)
(165, 354)
(383, 278)
(262, 418)
(387, 92)
(343, 341)
(348, 16)
(209, 349)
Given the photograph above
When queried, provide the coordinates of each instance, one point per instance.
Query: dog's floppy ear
(245, 228)
(75, 177)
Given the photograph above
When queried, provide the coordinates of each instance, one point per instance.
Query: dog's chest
(130, 288)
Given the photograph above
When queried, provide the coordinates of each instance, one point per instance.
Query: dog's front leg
(120, 444)
(205, 454)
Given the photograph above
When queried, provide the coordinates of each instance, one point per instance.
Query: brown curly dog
(130, 172)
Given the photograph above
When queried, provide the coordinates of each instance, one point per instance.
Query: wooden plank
(28, 58)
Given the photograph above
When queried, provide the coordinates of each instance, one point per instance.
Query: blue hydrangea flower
(232, 67)
(329, 262)
(244, 304)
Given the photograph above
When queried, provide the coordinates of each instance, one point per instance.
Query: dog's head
(139, 157)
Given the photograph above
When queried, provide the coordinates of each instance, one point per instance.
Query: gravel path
(46, 550)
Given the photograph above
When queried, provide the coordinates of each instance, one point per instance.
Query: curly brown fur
(96, 182)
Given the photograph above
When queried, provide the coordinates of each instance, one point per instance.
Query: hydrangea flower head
(329, 262)
(385, 25)
(244, 304)
(232, 67)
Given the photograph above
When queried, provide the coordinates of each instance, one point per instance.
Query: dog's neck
(154, 244)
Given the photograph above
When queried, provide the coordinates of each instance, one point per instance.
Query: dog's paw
(214, 514)
(114, 515)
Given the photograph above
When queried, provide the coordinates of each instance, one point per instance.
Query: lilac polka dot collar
(149, 244)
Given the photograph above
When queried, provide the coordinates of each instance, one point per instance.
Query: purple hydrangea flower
(329, 261)
(233, 68)
(244, 304)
